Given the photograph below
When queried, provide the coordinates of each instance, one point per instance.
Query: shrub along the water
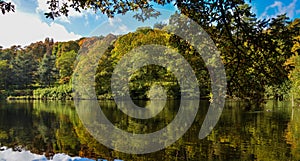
(62, 92)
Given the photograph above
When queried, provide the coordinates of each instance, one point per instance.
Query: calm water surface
(54, 127)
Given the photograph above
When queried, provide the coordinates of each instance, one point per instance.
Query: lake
(50, 127)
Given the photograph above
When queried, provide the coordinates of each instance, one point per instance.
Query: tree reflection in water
(54, 127)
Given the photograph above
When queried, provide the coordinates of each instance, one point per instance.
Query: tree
(65, 65)
(62, 47)
(38, 49)
(141, 80)
(6, 54)
(255, 57)
(203, 8)
(159, 25)
(24, 70)
(253, 50)
(65, 53)
(294, 62)
(4, 67)
(47, 71)
(7, 57)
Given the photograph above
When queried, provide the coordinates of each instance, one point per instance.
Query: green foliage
(62, 47)
(294, 61)
(259, 59)
(38, 49)
(47, 71)
(23, 63)
(24, 94)
(61, 92)
(24, 70)
(4, 66)
(123, 45)
(7, 57)
(142, 79)
(65, 65)
(65, 53)
(7, 54)
(278, 92)
(294, 74)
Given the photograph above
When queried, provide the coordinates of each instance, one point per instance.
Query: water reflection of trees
(54, 127)
(292, 133)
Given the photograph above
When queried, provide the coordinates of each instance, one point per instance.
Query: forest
(260, 58)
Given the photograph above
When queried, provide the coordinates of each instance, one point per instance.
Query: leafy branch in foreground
(6, 7)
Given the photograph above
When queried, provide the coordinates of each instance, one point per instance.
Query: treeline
(260, 57)
(41, 69)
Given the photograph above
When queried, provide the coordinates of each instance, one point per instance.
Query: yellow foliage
(296, 46)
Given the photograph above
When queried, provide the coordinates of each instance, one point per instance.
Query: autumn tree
(294, 63)
(38, 49)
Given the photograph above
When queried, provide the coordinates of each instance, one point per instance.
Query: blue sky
(28, 24)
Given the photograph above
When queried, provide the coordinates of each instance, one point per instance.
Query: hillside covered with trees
(260, 57)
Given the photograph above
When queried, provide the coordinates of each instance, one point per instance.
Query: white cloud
(42, 6)
(22, 29)
(280, 8)
(114, 26)
(113, 21)
(298, 11)
(122, 29)
(117, 26)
